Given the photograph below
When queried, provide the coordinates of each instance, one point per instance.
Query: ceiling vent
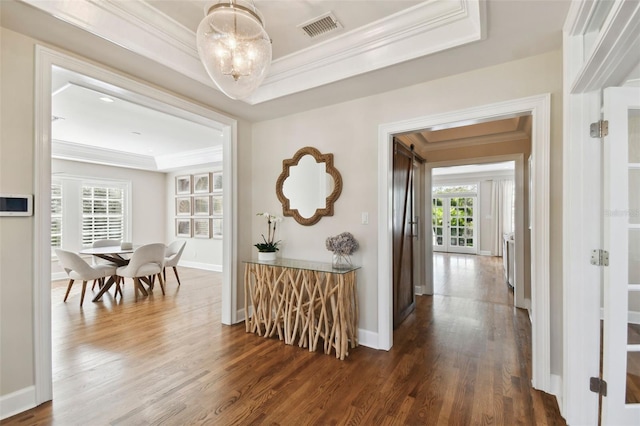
(320, 25)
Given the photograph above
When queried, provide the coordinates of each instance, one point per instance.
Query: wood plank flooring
(463, 358)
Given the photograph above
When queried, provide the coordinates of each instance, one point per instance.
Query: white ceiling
(157, 44)
(488, 168)
(382, 45)
(82, 115)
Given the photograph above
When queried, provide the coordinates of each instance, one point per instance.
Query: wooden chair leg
(84, 289)
(175, 271)
(116, 279)
(161, 281)
(164, 274)
(68, 290)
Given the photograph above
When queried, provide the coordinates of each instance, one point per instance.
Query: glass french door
(453, 220)
(621, 340)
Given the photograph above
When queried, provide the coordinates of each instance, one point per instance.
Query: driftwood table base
(304, 307)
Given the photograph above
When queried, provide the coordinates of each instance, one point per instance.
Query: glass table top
(303, 264)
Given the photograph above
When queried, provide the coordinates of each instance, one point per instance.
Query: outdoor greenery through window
(56, 214)
(102, 213)
(456, 189)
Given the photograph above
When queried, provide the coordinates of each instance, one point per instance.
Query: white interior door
(621, 344)
(454, 221)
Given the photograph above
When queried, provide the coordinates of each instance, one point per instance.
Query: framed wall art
(183, 228)
(202, 183)
(216, 227)
(201, 206)
(183, 206)
(216, 181)
(183, 184)
(202, 228)
(216, 204)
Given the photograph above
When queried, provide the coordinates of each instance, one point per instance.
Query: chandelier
(234, 47)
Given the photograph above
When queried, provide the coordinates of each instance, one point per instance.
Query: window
(102, 213)
(456, 189)
(56, 214)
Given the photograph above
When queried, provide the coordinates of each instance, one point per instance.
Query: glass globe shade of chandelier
(234, 47)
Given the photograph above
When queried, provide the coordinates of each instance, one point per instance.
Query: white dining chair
(77, 269)
(172, 257)
(146, 261)
(98, 261)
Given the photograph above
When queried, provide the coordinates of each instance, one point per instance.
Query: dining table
(113, 254)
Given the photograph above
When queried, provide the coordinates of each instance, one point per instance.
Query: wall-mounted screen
(16, 205)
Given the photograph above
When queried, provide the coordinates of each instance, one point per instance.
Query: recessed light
(106, 99)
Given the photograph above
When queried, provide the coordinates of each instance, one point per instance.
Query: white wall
(148, 190)
(199, 252)
(16, 234)
(350, 131)
(147, 195)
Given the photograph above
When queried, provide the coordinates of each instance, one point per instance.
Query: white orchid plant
(270, 244)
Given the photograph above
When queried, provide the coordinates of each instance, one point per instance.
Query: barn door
(403, 233)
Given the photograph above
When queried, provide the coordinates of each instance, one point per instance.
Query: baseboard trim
(57, 276)
(485, 253)
(17, 402)
(200, 265)
(368, 338)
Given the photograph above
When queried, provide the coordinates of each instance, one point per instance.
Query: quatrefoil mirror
(308, 186)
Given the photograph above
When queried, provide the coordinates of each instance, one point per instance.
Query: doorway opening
(473, 213)
(142, 94)
(538, 108)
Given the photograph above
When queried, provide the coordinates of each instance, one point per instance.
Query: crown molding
(429, 27)
(135, 26)
(64, 150)
(426, 28)
(185, 159)
(416, 138)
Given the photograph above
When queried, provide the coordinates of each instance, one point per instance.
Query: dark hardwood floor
(462, 358)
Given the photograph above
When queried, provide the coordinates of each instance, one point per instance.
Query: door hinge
(599, 129)
(597, 385)
(600, 257)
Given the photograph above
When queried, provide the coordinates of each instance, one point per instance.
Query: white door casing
(622, 242)
(45, 60)
(539, 107)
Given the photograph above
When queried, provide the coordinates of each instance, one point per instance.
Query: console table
(302, 302)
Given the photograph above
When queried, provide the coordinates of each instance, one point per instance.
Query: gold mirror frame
(331, 198)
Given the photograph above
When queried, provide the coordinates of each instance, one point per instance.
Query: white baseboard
(485, 253)
(240, 314)
(56, 276)
(17, 402)
(368, 338)
(633, 318)
(200, 265)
